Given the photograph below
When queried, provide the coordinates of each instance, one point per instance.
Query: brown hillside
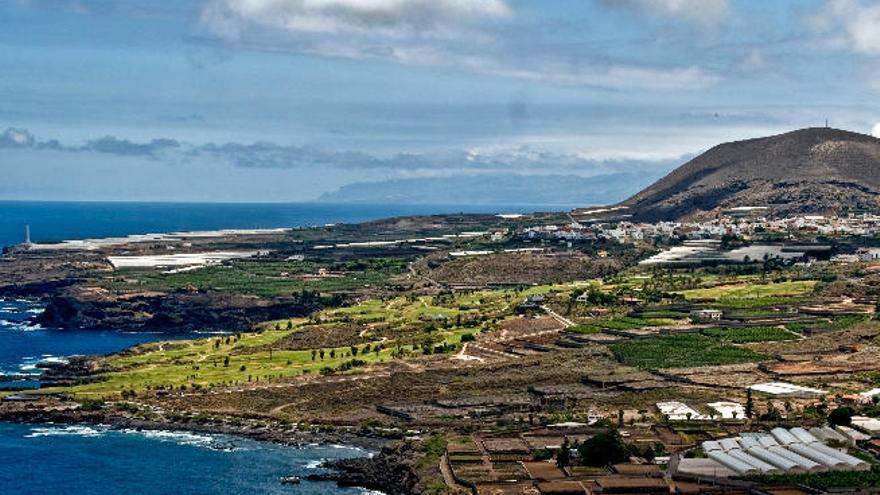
(816, 170)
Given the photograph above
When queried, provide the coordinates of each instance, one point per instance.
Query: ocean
(56, 221)
(92, 460)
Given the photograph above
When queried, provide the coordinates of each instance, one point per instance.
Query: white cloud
(449, 34)
(850, 24)
(393, 18)
(705, 12)
(16, 138)
(876, 130)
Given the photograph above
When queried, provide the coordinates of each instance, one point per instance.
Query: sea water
(95, 460)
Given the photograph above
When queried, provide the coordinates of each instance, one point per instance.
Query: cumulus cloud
(267, 155)
(850, 24)
(16, 138)
(876, 130)
(471, 35)
(704, 12)
(124, 147)
(23, 138)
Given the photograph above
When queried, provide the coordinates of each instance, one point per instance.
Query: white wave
(54, 359)
(349, 448)
(21, 326)
(314, 464)
(185, 438)
(56, 431)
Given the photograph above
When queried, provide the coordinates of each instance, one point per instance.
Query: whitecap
(184, 438)
(314, 464)
(55, 431)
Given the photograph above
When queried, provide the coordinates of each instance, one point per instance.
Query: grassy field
(751, 291)
(206, 363)
(682, 351)
(391, 329)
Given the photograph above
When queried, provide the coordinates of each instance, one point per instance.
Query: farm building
(781, 389)
(781, 451)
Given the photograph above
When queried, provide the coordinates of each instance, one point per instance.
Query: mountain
(815, 170)
(495, 189)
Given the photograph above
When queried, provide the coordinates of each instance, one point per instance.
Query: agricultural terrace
(752, 294)
(268, 278)
(694, 349)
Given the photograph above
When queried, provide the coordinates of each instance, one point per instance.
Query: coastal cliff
(169, 312)
(393, 470)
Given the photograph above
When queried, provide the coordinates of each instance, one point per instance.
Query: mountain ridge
(811, 170)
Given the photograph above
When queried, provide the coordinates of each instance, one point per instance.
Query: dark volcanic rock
(815, 170)
(391, 471)
(94, 308)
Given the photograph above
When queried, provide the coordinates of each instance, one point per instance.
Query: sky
(284, 100)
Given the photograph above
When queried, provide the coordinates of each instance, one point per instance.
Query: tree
(321, 354)
(314, 353)
(750, 404)
(603, 448)
(289, 325)
(226, 362)
(842, 416)
(563, 457)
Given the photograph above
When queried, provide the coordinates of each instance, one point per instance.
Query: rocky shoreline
(388, 471)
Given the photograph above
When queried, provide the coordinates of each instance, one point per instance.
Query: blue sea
(56, 221)
(90, 460)
(94, 460)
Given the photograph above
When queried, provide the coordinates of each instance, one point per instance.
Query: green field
(388, 329)
(836, 323)
(747, 335)
(752, 291)
(682, 351)
(826, 481)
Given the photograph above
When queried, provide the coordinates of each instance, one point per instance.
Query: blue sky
(282, 100)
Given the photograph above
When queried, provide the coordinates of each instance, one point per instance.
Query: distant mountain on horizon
(500, 189)
(813, 170)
